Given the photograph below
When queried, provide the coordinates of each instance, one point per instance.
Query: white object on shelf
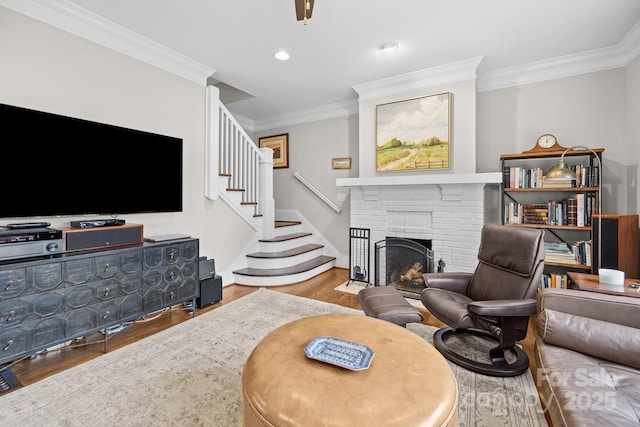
(611, 277)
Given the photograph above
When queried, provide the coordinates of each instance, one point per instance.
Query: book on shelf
(554, 280)
(557, 183)
(572, 211)
(519, 177)
(559, 252)
(581, 209)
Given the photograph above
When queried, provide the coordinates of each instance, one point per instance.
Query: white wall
(47, 69)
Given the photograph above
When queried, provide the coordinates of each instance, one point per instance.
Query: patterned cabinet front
(48, 301)
(103, 290)
(171, 274)
(32, 301)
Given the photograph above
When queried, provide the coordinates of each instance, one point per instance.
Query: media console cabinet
(45, 302)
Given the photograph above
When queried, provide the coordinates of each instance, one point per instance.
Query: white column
(266, 201)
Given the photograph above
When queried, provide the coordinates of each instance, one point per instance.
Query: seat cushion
(581, 390)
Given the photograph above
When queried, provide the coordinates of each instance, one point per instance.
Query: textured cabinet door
(45, 302)
(13, 341)
(171, 274)
(13, 282)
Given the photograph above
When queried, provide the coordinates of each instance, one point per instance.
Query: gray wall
(587, 110)
(632, 149)
(312, 146)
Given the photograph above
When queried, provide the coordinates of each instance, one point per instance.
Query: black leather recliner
(494, 301)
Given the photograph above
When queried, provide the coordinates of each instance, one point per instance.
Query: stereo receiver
(31, 242)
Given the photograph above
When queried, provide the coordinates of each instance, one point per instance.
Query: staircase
(241, 174)
(284, 259)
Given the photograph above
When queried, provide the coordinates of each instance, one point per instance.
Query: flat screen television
(53, 165)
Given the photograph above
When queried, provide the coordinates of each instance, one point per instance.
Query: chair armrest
(455, 282)
(506, 307)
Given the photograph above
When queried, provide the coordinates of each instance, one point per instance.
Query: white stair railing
(317, 192)
(230, 152)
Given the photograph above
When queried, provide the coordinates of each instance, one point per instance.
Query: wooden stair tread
(285, 237)
(299, 268)
(288, 253)
(283, 223)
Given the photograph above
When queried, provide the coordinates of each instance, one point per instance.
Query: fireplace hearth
(400, 262)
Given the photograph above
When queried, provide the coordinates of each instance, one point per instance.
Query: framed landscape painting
(414, 134)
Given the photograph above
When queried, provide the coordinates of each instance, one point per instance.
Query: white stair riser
(285, 245)
(290, 229)
(284, 261)
(282, 280)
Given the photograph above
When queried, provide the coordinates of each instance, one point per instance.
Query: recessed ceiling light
(388, 47)
(282, 55)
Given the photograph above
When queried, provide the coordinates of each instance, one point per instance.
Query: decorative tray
(345, 354)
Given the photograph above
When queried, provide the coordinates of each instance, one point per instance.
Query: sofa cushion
(581, 390)
(604, 340)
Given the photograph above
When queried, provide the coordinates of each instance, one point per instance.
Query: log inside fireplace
(400, 262)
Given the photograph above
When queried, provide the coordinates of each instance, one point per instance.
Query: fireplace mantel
(459, 178)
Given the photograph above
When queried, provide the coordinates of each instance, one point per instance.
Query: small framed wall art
(280, 146)
(341, 163)
(414, 133)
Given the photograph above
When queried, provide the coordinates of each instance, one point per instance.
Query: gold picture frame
(280, 146)
(341, 163)
(414, 134)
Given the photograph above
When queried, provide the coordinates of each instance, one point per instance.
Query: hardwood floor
(321, 287)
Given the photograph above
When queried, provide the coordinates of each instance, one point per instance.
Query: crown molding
(323, 112)
(76, 20)
(422, 79)
(79, 21)
(565, 66)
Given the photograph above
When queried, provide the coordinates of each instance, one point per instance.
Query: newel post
(266, 202)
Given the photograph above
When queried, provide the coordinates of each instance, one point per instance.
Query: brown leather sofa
(588, 358)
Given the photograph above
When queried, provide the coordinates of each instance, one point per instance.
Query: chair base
(499, 367)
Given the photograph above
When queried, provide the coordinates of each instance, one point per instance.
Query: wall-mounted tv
(53, 165)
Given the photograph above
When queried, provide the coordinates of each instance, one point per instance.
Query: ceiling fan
(304, 8)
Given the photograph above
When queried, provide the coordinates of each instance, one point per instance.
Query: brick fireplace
(449, 210)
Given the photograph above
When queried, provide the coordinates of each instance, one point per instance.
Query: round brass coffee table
(408, 383)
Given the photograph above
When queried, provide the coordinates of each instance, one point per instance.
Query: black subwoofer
(210, 292)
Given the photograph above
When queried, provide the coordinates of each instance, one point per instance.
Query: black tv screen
(54, 165)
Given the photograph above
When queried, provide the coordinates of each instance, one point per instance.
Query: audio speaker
(210, 292)
(207, 268)
(80, 239)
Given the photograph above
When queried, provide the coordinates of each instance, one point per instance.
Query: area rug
(190, 375)
(353, 287)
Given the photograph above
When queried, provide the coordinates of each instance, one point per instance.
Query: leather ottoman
(386, 303)
(408, 382)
